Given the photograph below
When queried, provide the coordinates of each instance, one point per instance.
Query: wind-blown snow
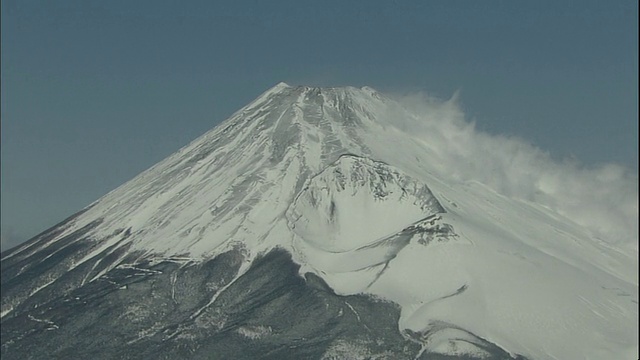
(410, 203)
(602, 198)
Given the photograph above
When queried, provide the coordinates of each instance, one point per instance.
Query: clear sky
(94, 92)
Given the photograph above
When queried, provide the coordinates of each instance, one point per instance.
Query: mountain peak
(279, 86)
(361, 207)
(283, 87)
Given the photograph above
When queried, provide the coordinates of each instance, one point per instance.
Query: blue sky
(95, 92)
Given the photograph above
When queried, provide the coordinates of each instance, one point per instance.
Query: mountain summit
(312, 224)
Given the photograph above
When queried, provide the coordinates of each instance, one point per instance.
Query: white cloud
(602, 198)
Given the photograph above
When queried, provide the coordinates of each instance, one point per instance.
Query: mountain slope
(367, 218)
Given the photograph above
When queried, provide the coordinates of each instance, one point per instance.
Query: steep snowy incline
(365, 206)
(234, 182)
(356, 201)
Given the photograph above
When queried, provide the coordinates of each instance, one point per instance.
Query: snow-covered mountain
(308, 225)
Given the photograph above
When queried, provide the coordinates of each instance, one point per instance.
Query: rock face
(173, 308)
(308, 226)
(180, 310)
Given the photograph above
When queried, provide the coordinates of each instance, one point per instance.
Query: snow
(350, 204)
(321, 173)
(254, 332)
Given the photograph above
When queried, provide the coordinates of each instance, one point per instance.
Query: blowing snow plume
(602, 198)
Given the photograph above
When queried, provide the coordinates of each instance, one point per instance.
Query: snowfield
(371, 207)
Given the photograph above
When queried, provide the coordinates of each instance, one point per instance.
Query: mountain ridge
(322, 174)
